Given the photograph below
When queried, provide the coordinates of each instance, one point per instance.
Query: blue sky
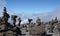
(45, 9)
(32, 6)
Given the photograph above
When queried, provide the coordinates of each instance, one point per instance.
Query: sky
(32, 8)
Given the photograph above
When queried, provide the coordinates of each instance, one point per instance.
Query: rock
(9, 33)
(37, 30)
(1, 34)
(2, 27)
(56, 34)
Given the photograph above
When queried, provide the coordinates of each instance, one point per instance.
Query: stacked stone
(4, 25)
(6, 29)
(37, 30)
(56, 29)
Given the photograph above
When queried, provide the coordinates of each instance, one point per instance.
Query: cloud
(24, 21)
(46, 16)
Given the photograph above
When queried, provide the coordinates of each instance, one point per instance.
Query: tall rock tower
(38, 21)
(4, 25)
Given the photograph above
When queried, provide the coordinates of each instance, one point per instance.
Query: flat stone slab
(9, 33)
(1, 34)
(56, 34)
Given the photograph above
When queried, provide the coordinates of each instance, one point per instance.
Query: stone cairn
(6, 29)
(53, 27)
(38, 29)
(50, 28)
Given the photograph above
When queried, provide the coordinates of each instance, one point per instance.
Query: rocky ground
(27, 33)
(24, 32)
